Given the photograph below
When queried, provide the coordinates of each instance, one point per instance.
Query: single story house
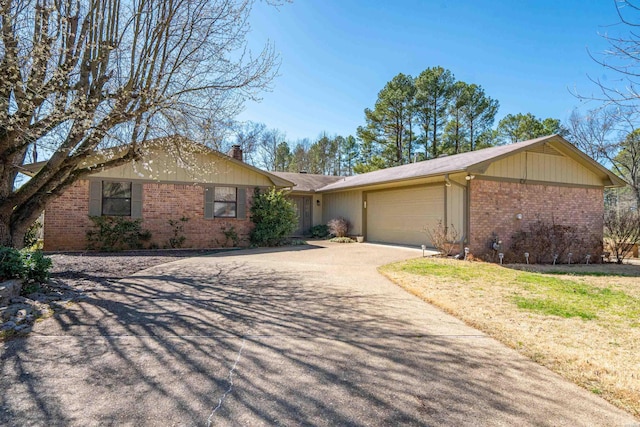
(483, 194)
(174, 180)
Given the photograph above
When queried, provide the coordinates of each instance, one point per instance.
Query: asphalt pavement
(306, 335)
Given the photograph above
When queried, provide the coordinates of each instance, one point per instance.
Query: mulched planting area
(83, 270)
(73, 276)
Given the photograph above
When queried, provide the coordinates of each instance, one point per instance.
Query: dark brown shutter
(241, 200)
(95, 198)
(209, 193)
(136, 200)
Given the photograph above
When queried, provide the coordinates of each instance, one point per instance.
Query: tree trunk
(434, 142)
(5, 233)
(12, 232)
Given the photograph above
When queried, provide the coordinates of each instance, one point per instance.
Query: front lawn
(582, 322)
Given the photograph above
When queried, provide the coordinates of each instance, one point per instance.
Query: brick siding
(67, 217)
(494, 206)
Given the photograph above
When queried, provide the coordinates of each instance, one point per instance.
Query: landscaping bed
(73, 276)
(581, 321)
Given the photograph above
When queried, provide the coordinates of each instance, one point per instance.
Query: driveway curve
(310, 335)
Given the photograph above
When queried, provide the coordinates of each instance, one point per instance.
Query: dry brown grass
(599, 351)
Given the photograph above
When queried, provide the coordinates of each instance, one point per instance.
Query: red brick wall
(494, 206)
(162, 202)
(67, 221)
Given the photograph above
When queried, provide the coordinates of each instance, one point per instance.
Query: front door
(303, 210)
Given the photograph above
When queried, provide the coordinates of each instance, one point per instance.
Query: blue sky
(337, 55)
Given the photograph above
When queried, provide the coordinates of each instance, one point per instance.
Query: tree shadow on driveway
(225, 341)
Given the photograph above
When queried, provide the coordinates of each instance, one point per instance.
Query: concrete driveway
(311, 335)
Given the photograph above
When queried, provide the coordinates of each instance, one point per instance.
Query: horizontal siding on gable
(204, 168)
(534, 166)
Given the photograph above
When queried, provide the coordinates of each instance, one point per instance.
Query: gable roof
(471, 162)
(175, 141)
(307, 181)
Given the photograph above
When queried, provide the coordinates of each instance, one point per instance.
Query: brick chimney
(235, 152)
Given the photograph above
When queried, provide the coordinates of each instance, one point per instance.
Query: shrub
(116, 233)
(296, 242)
(31, 266)
(230, 235)
(36, 266)
(319, 231)
(545, 240)
(11, 264)
(339, 227)
(274, 217)
(443, 238)
(178, 238)
(31, 236)
(621, 232)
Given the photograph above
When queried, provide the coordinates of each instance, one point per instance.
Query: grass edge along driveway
(582, 324)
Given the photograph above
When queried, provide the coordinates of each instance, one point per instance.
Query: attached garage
(402, 215)
(482, 197)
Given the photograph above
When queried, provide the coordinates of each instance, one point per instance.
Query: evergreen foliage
(30, 266)
(116, 234)
(274, 217)
(424, 118)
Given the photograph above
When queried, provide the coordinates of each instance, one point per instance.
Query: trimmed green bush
(319, 231)
(30, 266)
(11, 264)
(274, 217)
(36, 266)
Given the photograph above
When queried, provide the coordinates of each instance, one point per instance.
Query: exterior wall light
(519, 216)
(318, 202)
(469, 177)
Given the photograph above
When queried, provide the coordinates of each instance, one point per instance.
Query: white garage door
(401, 216)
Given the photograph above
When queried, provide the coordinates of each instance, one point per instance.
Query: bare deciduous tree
(594, 132)
(608, 135)
(247, 136)
(623, 58)
(78, 76)
(268, 147)
(621, 232)
(626, 163)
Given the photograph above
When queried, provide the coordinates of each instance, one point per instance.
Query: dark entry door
(303, 209)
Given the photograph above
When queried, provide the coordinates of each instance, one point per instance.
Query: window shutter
(209, 194)
(136, 200)
(95, 198)
(241, 207)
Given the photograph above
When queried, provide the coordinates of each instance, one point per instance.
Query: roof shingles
(434, 167)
